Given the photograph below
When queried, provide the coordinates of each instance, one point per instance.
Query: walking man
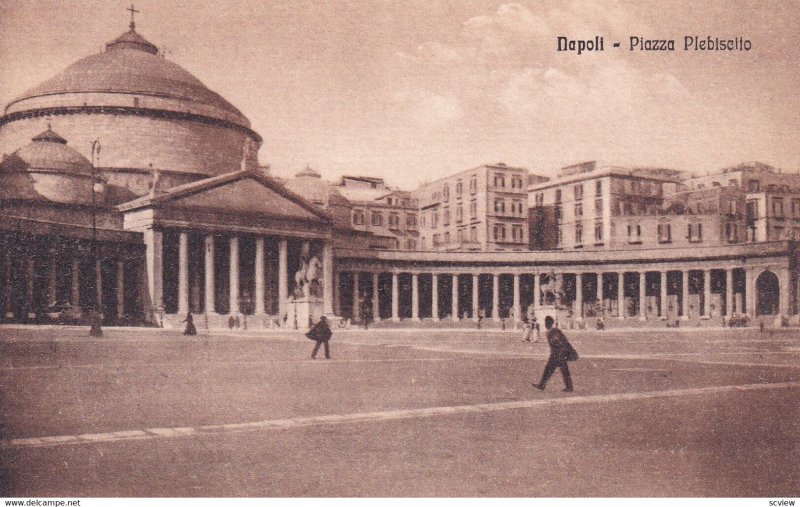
(560, 353)
(320, 333)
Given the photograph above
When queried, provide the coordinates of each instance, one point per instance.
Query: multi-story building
(584, 205)
(773, 198)
(389, 215)
(484, 208)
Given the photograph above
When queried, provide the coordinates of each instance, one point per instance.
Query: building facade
(128, 187)
(480, 209)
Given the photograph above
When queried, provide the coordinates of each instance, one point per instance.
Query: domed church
(127, 186)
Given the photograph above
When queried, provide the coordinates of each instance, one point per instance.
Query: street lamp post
(94, 320)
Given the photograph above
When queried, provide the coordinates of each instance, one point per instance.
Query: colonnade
(31, 274)
(622, 283)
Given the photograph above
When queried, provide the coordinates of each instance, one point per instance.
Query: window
(499, 206)
(539, 198)
(578, 210)
(447, 238)
(411, 221)
(473, 234)
(446, 217)
(752, 210)
(473, 209)
(459, 188)
(598, 233)
(732, 232)
(422, 220)
(499, 232)
(446, 193)
(460, 213)
(733, 207)
(695, 232)
(795, 207)
(377, 218)
(634, 233)
(358, 217)
(578, 189)
(578, 233)
(394, 220)
(516, 233)
(461, 235)
(598, 207)
(559, 214)
(412, 244)
(664, 233)
(473, 185)
(500, 180)
(558, 195)
(754, 186)
(560, 237)
(733, 183)
(777, 207)
(436, 239)
(516, 207)
(598, 188)
(434, 220)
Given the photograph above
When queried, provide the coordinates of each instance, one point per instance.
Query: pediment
(246, 196)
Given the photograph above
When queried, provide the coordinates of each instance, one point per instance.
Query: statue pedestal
(546, 311)
(303, 312)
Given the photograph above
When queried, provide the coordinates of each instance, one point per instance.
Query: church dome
(47, 170)
(146, 111)
(130, 65)
(308, 172)
(48, 152)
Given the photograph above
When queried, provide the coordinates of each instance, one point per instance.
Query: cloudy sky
(415, 90)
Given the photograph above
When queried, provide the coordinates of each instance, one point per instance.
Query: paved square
(398, 413)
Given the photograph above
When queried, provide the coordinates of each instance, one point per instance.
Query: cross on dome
(133, 13)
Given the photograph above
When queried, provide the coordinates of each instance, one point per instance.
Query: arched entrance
(767, 294)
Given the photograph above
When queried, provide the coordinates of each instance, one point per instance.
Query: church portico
(238, 261)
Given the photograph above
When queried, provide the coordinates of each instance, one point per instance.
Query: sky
(412, 91)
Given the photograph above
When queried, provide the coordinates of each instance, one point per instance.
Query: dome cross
(133, 13)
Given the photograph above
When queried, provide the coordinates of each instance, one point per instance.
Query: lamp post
(94, 320)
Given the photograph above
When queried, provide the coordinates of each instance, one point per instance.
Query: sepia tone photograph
(382, 249)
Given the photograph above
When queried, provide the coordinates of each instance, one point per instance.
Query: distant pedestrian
(481, 315)
(190, 330)
(531, 330)
(366, 312)
(560, 353)
(321, 333)
(95, 317)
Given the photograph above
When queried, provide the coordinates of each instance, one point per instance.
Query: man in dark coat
(366, 312)
(560, 352)
(190, 330)
(321, 333)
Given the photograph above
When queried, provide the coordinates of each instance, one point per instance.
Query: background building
(484, 208)
(773, 198)
(389, 215)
